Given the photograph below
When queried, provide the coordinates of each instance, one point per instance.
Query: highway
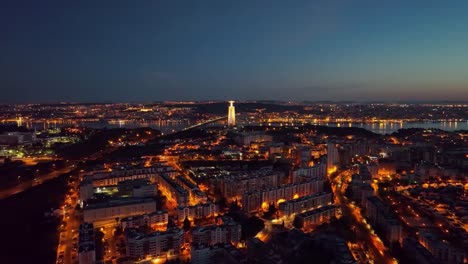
(376, 248)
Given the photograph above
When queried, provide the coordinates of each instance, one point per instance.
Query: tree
(118, 231)
(234, 207)
(349, 192)
(298, 223)
(271, 211)
(251, 227)
(186, 225)
(222, 202)
(170, 223)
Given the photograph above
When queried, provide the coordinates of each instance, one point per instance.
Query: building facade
(317, 216)
(254, 201)
(140, 246)
(158, 218)
(305, 203)
(118, 208)
(198, 211)
(214, 234)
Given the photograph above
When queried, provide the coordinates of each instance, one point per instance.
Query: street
(68, 237)
(376, 248)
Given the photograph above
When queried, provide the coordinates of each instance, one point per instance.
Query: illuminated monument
(231, 114)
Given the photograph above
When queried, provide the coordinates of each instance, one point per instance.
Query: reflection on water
(172, 126)
(163, 126)
(386, 128)
(390, 127)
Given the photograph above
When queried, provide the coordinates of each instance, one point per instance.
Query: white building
(109, 178)
(137, 188)
(158, 218)
(118, 208)
(198, 211)
(441, 249)
(380, 215)
(317, 171)
(305, 203)
(317, 216)
(214, 234)
(173, 190)
(154, 244)
(17, 138)
(253, 201)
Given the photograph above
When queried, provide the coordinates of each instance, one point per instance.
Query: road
(69, 235)
(23, 186)
(363, 233)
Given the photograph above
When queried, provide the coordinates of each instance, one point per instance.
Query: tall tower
(19, 121)
(231, 114)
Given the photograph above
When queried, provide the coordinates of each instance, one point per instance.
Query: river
(169, 127)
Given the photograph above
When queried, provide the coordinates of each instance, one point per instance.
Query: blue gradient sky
(194, 50)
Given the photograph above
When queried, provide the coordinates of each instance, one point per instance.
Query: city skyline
(264, 131)
(155, 51)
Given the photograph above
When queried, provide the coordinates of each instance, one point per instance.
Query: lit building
(317, 216)
(110, 178)
(136, 188)
(140, 245)
(255, 200)
(303, 155)
(140, 187)
(232, 186)
(246, 138)
(305, 203)
(231, 114)
(17, 138)
(198, 211)
(381, 216)
(317, 171)
(228, 232)
(173, 190)
(158, 218)
(417, 253)
(86, 190)
(195, 194)
(109, 210)
(442, 251)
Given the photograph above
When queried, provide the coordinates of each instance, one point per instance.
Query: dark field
(26, 235)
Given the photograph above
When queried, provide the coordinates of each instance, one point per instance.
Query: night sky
(143, 51)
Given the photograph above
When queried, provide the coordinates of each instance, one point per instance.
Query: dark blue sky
(195, 50)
